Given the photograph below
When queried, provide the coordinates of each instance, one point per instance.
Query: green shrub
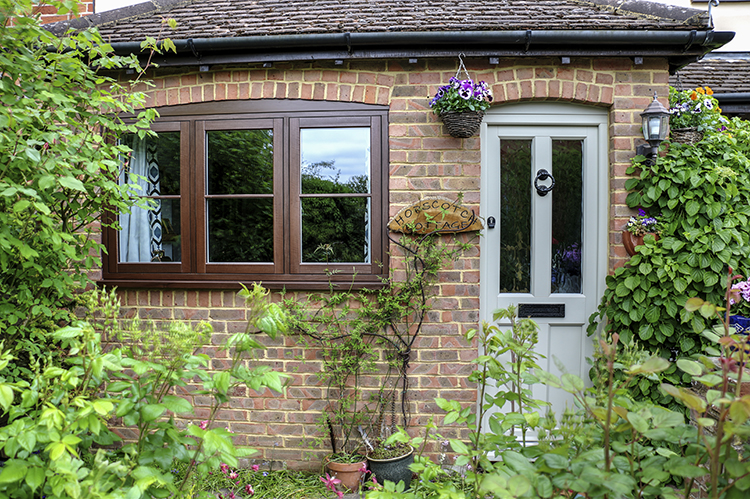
(59, 439)
(58, 172)
(702, 192)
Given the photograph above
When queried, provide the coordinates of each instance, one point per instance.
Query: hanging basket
(687, 136)
(462, 125)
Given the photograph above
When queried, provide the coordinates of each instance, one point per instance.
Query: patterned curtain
(141, 236)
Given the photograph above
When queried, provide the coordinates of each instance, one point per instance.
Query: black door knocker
(542, 190)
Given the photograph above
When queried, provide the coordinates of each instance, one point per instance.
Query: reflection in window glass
(515, 216)
(335, 227)
(240, 188)
(336, 230)
(240, 230)
(335, 160)
(153, 235)
(240, 162)
(567, 215)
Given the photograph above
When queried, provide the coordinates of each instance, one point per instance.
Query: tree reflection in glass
(335, 195)
(239, 188)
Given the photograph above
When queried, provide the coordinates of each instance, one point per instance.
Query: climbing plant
(371, 332)
(702, 192)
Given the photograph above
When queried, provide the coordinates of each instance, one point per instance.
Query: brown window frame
(286, 118)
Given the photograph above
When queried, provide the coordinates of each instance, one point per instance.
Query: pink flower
(255, 467)
(363, 469)
(231, 495)
(224, 468)
(340, 494)
(233, 475)
(203, 425)
(330, 482)
(249, 489)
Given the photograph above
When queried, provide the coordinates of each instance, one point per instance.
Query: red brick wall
(48, 14)
(424, 161)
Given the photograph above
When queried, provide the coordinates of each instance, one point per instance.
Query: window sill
(296, 283)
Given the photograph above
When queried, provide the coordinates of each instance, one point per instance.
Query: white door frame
(540, 114)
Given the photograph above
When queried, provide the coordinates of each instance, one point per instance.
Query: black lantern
(655, 127)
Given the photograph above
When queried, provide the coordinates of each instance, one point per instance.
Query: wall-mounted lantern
(655, 128)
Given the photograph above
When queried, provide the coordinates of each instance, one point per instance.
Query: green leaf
(572, 383)
(692, 207)
(176, 404)
(150, 412)
(690, 366)
(639, 423)
(6, 396)
(34, 477)
(72, 183)
(13, 471)
(459, 447)
(555, 461)
(688, 471)
(519, 485)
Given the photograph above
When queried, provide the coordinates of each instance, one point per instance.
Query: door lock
(542, 175)
(490, 222)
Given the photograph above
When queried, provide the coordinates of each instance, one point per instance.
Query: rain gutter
(680, 46)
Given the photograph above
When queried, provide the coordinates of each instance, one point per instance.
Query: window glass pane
(335, 160)
(336, 230)
(567, 215)
(154, 169)
(152, 235)
(515, 216)
(240, 162)
(240, 230)
(157, 159)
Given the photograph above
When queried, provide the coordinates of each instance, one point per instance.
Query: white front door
(547, 251)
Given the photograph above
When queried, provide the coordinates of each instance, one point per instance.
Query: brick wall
(424, 161)
(48, 14)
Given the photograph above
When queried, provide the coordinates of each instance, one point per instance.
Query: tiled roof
(724, 75)
(247, 18)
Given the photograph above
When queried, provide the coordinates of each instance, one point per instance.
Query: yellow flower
(709, 91)
(700, 90)
(693, 96)
(718, 109)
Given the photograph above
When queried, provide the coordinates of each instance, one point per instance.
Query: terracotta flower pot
(349, 473)
(630, 241)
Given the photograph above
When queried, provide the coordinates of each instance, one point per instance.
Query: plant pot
(395, 469)
(630, 241)
(689, 135)
(741, 326)
(349, 473)
(462, 125)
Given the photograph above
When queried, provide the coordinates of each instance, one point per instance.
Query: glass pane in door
(515, 216)
(567, 215)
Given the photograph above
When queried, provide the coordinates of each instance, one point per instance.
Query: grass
(281, 484)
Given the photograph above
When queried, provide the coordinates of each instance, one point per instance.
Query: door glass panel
(567, 215)
(153, 168)
(515, 216)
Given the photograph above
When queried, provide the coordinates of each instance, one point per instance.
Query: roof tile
(220, 18)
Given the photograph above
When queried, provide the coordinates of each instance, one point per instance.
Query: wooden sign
(434, 214)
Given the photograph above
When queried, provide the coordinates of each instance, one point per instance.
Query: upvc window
(286, 192)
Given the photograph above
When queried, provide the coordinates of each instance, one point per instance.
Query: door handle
(542, 175)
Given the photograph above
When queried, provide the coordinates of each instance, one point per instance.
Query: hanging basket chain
(462, 66)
